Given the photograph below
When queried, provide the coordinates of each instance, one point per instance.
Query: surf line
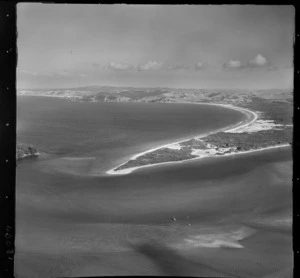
(251, 117)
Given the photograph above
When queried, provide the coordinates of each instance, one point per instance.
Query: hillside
(131, 94)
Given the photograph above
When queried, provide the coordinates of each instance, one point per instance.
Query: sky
(176, 46)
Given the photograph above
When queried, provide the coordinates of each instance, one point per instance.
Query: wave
(219, 239)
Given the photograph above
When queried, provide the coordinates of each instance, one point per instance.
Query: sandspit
(250, 119)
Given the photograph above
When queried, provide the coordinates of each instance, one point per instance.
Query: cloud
(63, 73)
(119, 66)
(258, 61)
(199, 66)
(151, 65)
(233, 64)
(272, 68)
(95, 65)
(177, 67)
(28, 72)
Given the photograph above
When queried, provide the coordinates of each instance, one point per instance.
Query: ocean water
(233, 214)
(110, 132)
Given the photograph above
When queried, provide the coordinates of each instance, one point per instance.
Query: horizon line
(148, 87)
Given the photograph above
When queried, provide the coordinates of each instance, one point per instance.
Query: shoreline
(28, 156)
(251, 117)
(130, 170)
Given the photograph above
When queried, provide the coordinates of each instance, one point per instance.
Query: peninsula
(268, 122)
(24, 151)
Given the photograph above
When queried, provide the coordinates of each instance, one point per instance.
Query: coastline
(130, 170)
(28, 156)
(251, 117)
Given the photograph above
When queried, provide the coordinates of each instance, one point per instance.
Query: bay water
(221, 216)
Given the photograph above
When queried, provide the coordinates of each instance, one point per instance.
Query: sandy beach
(251, 118)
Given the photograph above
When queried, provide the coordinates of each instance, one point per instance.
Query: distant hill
(132, 94)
